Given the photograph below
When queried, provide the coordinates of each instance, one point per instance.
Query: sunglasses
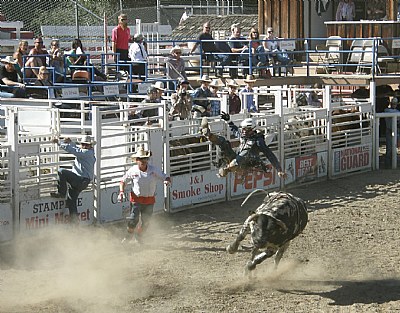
(142, 159)
(270, 31)
(38, 41)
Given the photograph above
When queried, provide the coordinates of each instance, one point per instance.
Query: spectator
(392, 108)
(57, 60)
(120, 38)
(138, 53)
(234, 103)
(247, 94)
(201, 105)
(258, 56)
(238, 46)
(376, 10)
(181, 102)
(20, 53)
(346, 10)
(10, 85)
(43, 80)
(72, 182)
(154, 95)
(175, 64)
(215, 104)
(272, 45)
(143, 178)
(39, 50)
(77, 57)
(212, 53)
(32, 65)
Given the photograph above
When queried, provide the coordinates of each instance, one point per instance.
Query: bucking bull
(280, 218)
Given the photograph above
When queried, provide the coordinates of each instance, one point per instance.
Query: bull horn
(251, 193)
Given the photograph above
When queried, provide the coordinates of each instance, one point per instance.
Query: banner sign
(244, 183)
(196, 188)
(306, 168)
(46, 212)
(351, 159)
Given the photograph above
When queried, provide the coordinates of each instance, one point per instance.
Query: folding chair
(334, 45)
(383, 59)
(356, 52)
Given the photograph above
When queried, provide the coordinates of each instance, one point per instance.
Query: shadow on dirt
(351, 292)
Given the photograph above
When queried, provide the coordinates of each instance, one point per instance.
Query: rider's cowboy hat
(88, 140)
(205, 78)
(182, 81)
(141, 153)
(8, 59)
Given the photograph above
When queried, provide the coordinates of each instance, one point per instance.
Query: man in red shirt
(120, 38)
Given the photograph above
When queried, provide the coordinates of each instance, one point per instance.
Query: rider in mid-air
(251, 144)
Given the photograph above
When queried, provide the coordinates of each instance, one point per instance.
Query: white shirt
(144, 183)
(137, 52)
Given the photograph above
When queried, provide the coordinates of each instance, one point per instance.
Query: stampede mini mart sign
(46, 212)
(351, 159)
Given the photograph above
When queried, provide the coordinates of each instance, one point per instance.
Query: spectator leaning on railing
(208, 46)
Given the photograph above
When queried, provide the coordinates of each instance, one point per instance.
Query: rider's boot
(205, 130)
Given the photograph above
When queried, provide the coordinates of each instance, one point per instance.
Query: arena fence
(312, 144)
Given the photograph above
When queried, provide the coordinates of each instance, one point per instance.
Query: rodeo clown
(143, 177)
(251, 144)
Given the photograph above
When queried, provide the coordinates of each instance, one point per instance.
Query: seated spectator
(159, 86)
(181, 102)
(215, 85)
(247, 94)
(20, 53)
(9, 78)
(138, 53)
(39, 50)
(258, 55)
(76, 56)
(201, 105)
(43, 80)
(208, 46)
(175, 64)
(32, 65)
(234, 103)
(57, 59)
(238, 45)
(272, 45)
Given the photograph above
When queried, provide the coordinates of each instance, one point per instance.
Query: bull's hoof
(250, 266)
(231, 249)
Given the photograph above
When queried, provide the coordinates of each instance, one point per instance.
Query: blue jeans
(4, 94)
(258, 56)
(282, 57)
(137, 210)
(71, 184)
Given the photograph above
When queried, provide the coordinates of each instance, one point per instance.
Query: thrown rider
(251, 144)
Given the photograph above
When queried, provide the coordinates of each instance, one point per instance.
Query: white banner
(196, 188)
(351, 159)
(47, 212)
(242, 184)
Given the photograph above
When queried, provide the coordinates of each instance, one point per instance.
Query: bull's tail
(253, 192)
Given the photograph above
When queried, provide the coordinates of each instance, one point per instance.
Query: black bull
(279, 219)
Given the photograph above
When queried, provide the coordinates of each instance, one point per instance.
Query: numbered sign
(72, 92)
(110, 90)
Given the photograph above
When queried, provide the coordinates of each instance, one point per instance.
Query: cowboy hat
(138, 37)
(141, 153)
(249, 79)
(8, 59)
(205, 78)
(232, 83)
(88, 140)
(182, 81)
(216, 83)
(159, 85)
(176, 48)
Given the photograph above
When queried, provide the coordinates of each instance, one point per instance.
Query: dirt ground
(346, 260)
